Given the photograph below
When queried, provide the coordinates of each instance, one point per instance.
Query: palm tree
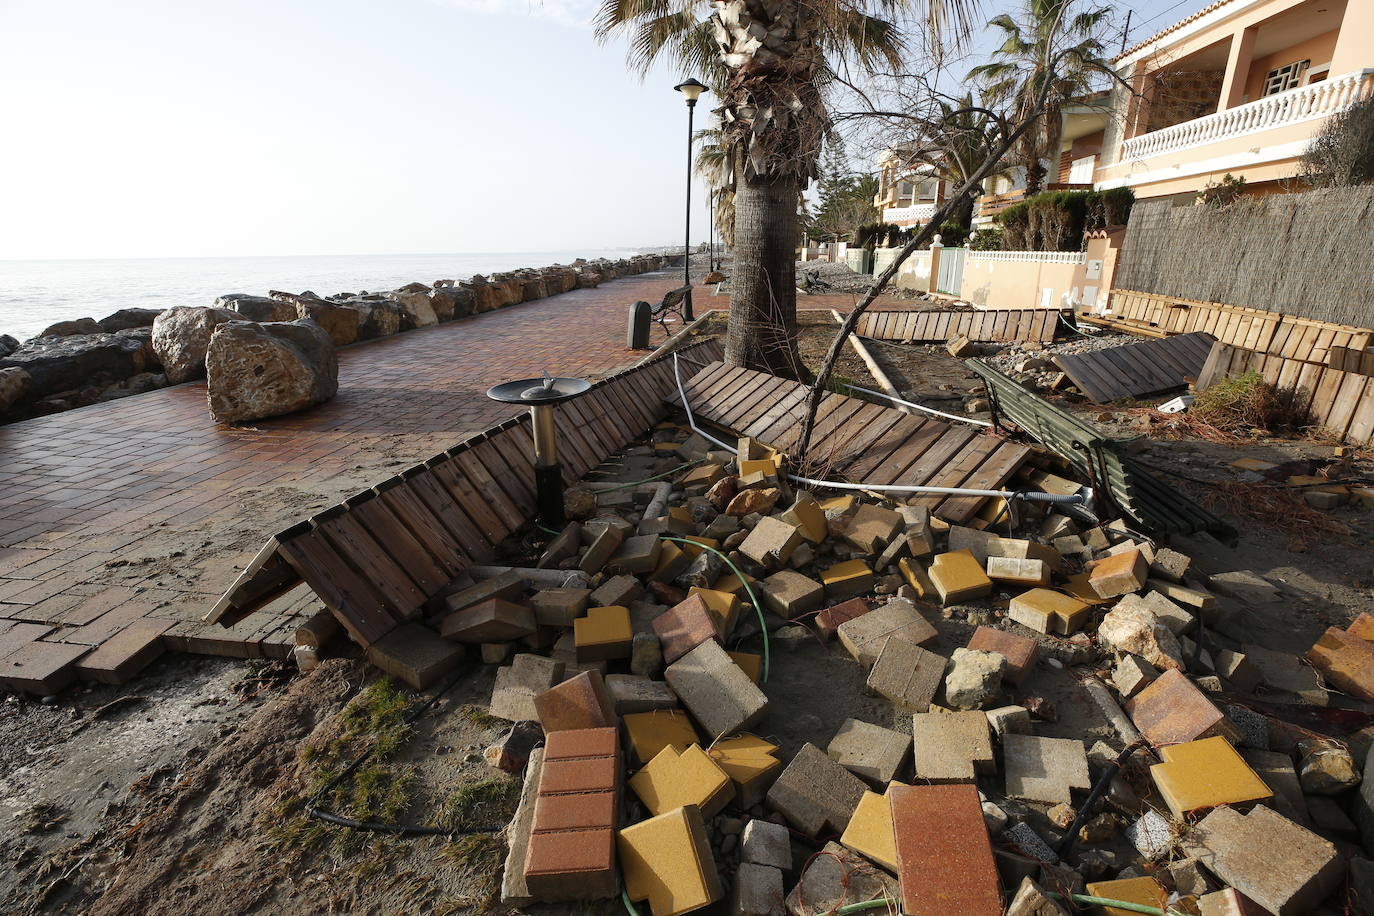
(772, 61)
(954, 142)
(712, 158)
(1023, 68)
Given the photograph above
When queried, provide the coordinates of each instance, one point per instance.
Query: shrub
(1247, 403)
(952, 234)
(1222, 193)
(986, 239)
(1057, 220)
(1342, 153)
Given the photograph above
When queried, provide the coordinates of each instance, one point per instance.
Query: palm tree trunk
(762, 332)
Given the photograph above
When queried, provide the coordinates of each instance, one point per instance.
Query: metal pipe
(687, 243)
(545, 435)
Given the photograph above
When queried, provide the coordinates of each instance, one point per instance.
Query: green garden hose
(758, 608)
(626, 486)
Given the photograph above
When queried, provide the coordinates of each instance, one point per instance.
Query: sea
(36, 294)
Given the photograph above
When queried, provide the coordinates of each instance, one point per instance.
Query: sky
(188, 128)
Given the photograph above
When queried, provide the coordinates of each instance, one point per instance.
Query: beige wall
(1018, 284)
(1318, 50)
(1092, 279)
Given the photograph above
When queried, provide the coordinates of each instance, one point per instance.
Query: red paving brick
(149, 495)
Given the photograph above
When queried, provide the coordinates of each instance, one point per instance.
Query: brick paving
(143, 507)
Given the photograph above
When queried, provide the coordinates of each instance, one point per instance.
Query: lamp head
(692, 90)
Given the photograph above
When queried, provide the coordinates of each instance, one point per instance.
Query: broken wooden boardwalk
(1137, 369)
(1290, 336)
(859, 440)
(998, 325)
(375, 559)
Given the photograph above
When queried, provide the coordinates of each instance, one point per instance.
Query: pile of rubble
(639, 655)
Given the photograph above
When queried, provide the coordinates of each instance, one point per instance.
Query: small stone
(646, 655)
(1100, 829)
(1062, 816)
(975, 679)
(1031, 843)
(1326, 768)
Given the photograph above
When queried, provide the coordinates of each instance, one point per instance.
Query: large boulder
(339, 321)
(510, 289)
(452, 301)
(125, 319)
(266, 369)
(72, 328)
(1133, 629)
(7, 345)
(589, 277)
(181, 335)
(58, 364)
(532, 287)
(485, 296)
(376, 317)
(413, 298)
(558, 279)
(14, 384)
(257, 308)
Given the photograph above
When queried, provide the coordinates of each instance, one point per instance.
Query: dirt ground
(184, 792)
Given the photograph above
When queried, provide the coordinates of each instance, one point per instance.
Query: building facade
(1238, 88)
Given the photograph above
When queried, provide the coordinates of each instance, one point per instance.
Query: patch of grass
(486, 803)
(378, 791)
(837, 384)
(481, 854)
(479, 717)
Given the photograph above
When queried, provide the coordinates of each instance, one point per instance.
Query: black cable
(1066, 844)
(313, 810)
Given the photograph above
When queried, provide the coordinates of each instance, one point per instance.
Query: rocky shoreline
(76, 363)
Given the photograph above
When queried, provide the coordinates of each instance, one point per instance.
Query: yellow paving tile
(667, 861)
(651, 732)
(675, 778)
(1199, 775)
(605, 633)
(870, 829)
(724, 607)
(958, 576)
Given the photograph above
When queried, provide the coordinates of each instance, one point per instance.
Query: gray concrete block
(520, 682)
(864, 637)
(814, 793)
(717, 693)
(766, 843)
(869, 751)
(906, 675)
(758, 891)
(1283, 867)
(1044, 769)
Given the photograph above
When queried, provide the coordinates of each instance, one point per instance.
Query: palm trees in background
(711, 162)
(772, 62)
(1053, 51)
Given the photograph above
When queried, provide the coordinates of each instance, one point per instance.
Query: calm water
(36, 294)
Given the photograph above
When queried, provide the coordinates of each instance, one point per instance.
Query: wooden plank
(450, 514)
(892, 468)
(353, 600)
(510, 515)
(265, 577)
(884, 447)
(425, 527)
(991, 474)
(950, 443)
(466, 494)
(359, 544)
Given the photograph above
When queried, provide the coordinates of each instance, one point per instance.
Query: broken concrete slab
(869, 751)
(1346, 661)
(815, 793)
(771, 542)
(631, 694)
(951, 746)
(1245, 585)
(492, 620)
(1133, 629)
(758, 891)
(1283, 867)
(835, 877)
(1044, 769)
(871, 527)
(974, 679)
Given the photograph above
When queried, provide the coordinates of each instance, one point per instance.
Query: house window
(1286, 77)
(904, 189)
(1317, 74)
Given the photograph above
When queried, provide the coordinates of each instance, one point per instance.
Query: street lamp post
(692, 90)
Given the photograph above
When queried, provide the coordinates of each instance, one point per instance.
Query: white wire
(877, 488)
(930, 410)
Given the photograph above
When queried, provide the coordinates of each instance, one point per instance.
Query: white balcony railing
(1042, 257)
(917, 212)
(1318, 100)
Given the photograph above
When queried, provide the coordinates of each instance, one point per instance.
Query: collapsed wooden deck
(1138, 369)
(859, 440)
(377, 558)
(1289, 336)
(991, 325)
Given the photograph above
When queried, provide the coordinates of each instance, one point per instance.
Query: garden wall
(1299, 254)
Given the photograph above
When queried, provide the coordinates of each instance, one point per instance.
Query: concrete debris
(944, 622)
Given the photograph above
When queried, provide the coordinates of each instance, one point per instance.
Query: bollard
(638, 337)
